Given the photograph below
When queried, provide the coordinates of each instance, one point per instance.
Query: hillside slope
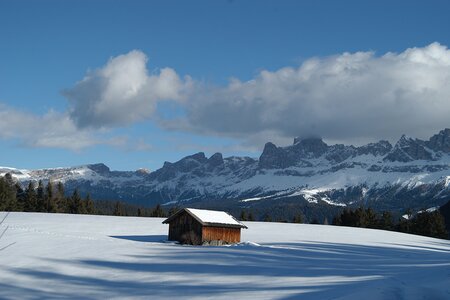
(59, 256)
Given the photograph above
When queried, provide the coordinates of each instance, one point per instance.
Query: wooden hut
(203, 227)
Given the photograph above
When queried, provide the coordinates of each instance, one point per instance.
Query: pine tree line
(246, 216)
(51, 198)
(423, 223)
(249, 215)
(41, 198)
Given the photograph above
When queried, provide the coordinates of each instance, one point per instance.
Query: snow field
(57, 256)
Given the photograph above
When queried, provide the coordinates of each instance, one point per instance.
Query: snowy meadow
(58, 256)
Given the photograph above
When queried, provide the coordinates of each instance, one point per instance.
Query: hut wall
(185, 229)
(227, 234)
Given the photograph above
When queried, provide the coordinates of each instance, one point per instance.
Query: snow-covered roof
(209, 217)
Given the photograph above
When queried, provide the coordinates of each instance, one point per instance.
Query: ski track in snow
(57, 256)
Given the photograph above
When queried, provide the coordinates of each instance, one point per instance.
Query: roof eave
(169, 219)
(225, 225)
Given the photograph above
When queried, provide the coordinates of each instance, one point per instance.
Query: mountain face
(308, 174)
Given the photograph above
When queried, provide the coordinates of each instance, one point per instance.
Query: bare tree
(3, 232)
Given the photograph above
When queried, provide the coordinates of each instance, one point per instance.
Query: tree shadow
(286, 270)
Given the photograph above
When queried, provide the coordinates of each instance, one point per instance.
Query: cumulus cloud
(57, 130)
(122, 92)
(52, 130)
(346, 98)
(343, 98)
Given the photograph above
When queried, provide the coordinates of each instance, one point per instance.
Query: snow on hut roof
(209, 217)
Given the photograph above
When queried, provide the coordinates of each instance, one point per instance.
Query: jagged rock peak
(200, 157)
(440, 141)
(339, 152)
(269, 145)
(215, 160)
(445, 132)
(307, 146)
(99, 168)
(184, 165)
(380, 148)
(404, 140)
(143, 171)
(215, 156)
(274, 157)
(269, 149)
(409, 149)
(167, 164)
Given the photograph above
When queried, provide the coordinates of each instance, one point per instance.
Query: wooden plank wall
(230, 235)
(185, 229)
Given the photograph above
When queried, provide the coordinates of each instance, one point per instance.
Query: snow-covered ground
(56, 256)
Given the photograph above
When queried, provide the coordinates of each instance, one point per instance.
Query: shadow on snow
(356, 267)
(142, 238)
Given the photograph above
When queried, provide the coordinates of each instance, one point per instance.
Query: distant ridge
(309, 174)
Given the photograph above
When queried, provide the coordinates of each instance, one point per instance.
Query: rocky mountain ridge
(410, 174)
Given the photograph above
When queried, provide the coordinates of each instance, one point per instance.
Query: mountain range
(308, 175)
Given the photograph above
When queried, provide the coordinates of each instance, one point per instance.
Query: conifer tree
(118, 209)
(298, 218)
(250, 217)
(7, 194)
(243, 216)
(50, 198)
(40, 196)
(386, 222)
(75, 204)
(371, 217)
(158, 212)
(346, 218)
(60, 199)
(404, 224)
(267, 218)
(89, 205)
(429, 224)
(30, 198)
(315, 221)
(361, 219)
(20, 196)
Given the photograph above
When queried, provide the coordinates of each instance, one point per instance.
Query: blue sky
(214, 76)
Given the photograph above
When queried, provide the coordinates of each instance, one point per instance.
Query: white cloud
(52, 130)
(344, 98)
(122, 92)
(348, 97)
(57, 130)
